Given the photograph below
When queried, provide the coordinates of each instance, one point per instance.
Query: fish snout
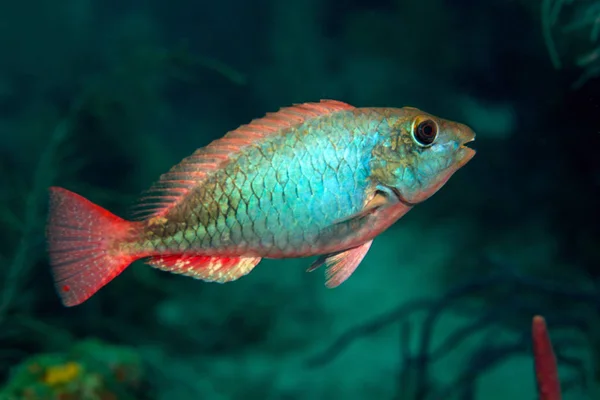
(465, 135)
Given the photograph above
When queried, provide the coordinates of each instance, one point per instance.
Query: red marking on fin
(192, 170)
(341, 265)
(209, 269)
(81, 237)
(546, 369)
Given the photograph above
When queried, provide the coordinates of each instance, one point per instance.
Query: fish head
(419, 153)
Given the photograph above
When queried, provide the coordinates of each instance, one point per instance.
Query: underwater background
(101, 97)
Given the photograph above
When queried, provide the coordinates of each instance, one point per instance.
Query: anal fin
(206, 268)
(341, 265)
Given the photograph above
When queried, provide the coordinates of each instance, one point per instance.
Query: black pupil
(426, 132)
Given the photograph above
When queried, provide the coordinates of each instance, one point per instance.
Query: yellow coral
(61, 374)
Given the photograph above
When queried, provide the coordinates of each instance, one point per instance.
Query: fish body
(276, 197)
(312, 179)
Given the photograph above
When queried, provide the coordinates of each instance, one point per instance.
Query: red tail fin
(81, 243)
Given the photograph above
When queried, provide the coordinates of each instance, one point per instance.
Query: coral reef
(91, 370)
(546, 369)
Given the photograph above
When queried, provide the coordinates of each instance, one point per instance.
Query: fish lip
(464, 134)
(469, 137)
(471, 140)
(467, 154)
(464, 146)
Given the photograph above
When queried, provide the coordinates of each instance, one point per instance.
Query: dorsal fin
(191, 171)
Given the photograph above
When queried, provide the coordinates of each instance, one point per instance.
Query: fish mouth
(463, 133)
(466, 152)
(466, 135)
(467, 145)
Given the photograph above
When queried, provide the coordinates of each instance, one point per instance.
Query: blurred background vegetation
(103, 96)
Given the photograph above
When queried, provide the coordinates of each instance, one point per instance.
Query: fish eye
(424, 132)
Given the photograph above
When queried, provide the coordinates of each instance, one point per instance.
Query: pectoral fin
(341, 265)
(355, 221)
(378, 201)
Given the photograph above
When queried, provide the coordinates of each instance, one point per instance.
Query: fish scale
(285, 189)
(312, 179)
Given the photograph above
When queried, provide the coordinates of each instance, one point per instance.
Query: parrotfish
(315, 179)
